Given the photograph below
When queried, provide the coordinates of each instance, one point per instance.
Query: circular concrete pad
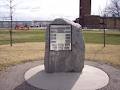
(91, 78)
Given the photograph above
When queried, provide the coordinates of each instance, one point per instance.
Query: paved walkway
(13, 77)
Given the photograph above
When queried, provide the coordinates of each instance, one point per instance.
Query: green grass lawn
(39, 36)
(22, 36)
(98, 37)
(25, 52)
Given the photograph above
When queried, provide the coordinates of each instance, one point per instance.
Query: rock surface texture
(65, 60)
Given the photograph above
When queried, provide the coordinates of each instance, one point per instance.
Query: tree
(113, 9)
(11, 6)
(8, 4)
(11, 18)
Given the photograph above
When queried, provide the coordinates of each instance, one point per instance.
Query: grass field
(22, 36)
(20, 53)
(97, 37)
(25, 52)
(30, 46)
(39, 36)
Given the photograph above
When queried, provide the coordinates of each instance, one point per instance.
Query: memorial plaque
(60, 37)
(64, 48)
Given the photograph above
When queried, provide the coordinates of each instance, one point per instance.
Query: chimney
(85, 8)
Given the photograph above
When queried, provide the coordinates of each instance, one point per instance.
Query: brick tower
(85, 7)
(85, 11)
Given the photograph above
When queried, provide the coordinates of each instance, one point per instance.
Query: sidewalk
(13, 77)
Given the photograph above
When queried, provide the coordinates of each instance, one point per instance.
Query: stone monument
(65, 48)
(65, 52)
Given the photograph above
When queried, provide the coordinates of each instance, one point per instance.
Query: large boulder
(64, 60)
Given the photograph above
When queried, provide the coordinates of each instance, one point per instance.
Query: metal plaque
(60, 37)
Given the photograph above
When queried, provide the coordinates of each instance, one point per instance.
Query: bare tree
(11, 7)
(11, 18)
(8, 4)
(113, 8)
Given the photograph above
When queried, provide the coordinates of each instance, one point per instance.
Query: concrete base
(91, 78)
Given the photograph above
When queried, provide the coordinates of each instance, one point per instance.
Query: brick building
(93, 21)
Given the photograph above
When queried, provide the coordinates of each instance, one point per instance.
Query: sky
(48, 9)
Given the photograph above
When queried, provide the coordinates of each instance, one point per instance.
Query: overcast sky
(49, 9)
